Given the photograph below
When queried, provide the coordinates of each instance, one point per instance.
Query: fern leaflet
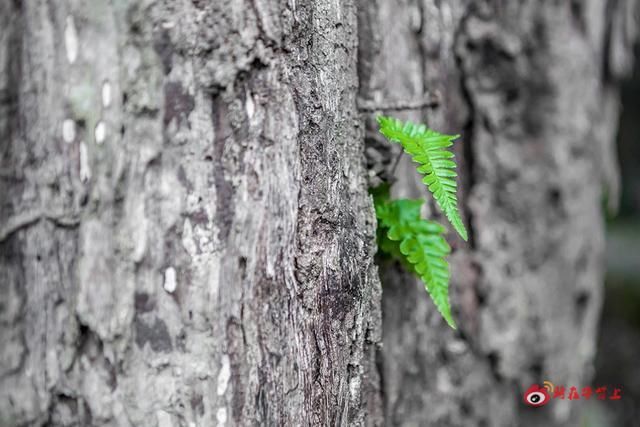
(417, 243)
(428, 148)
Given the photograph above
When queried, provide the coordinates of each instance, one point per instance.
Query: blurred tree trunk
(185, 232)
(531, 86)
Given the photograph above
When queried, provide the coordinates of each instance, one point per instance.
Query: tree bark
(186, 236)
(186, 233)
(531, 86)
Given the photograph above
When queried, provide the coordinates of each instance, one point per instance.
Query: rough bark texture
(185, 232)
(531, 85)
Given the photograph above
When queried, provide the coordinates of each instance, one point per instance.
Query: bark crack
(469, 128)
(26, 219)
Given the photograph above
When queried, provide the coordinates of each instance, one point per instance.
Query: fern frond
(428, 148)
(419, 243)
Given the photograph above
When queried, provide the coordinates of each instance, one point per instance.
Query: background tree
(532, 85)
(186, 236)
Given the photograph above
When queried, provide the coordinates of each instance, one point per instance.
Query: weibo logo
(536, 396)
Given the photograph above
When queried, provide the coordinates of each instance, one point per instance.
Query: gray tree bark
(186, 236)
(186, 233)
(531, 86)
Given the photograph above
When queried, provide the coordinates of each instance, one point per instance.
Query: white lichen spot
(139, 234)
(68, 131)
(170, 283)
(168, 25)
(106, 94)
(71, 40)
(221, 416)
(354, 387)
(85, 171)
(250, 105)
(100, 132)
(224, 375)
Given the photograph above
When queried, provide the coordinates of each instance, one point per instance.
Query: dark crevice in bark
(422, 54)
(377, 153)
(469, 174)
(224, 189)
(10, 175)
(469, 163)
(609, 9)
(10, 256)
(493, 358)
(379, 366)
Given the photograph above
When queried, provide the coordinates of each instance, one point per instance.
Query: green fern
(428, 148)
(417, 243)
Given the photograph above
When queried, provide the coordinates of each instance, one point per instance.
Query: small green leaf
(417, 243)
(427, 148)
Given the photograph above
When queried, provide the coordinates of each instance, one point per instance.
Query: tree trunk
(186, 236)
(531, 86)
